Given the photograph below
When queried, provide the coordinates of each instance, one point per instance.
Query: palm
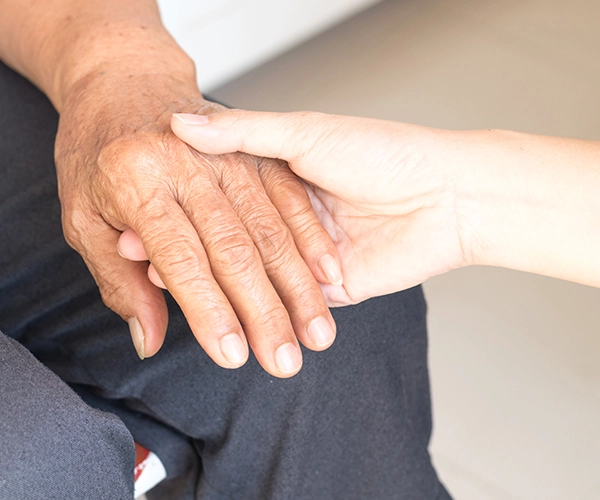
(389, 233)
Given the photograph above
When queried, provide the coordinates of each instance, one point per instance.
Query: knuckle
(302, 219)
(308, 232)
(176, 257)
(309, 299)
(277, 177)
(80, 227)
(184, 279)
(183, 275)
(124, 149)
(302, 295)
(214, 317)
(151, 211)
(233, 254)
(284, 189)
(129, 171)
(269, 323)
(289, 195)
(273, 240)
(71, 223)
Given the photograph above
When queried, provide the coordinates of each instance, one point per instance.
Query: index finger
(173, 246)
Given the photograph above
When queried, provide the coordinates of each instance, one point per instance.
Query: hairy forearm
(530, 202)
(57, 43)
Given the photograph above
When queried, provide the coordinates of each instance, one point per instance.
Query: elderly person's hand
(227, 235)
(234, 238)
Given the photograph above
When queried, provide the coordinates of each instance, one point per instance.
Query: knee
(53, 444)
(71, 454)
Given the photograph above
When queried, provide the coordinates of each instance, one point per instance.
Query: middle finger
(285, 267)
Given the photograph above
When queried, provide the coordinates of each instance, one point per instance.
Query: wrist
(452, 160)
(480, 171)
(117, 55)
(528, 202)
(101, 108)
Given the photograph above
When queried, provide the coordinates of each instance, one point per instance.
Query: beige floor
(515, 359)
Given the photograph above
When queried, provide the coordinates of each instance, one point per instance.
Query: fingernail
(190, 119)
(320, 332)
(234, 349)
(137, 335)
(287, 358)
(331, 269)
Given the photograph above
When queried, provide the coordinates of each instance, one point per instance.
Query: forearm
(528, 202)
(58, 43)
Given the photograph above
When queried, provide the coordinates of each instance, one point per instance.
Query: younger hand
(378, 188)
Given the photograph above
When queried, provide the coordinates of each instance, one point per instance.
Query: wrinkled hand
(378, 187)
(233, 238)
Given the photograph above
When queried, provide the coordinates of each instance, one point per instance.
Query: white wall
(229, 37)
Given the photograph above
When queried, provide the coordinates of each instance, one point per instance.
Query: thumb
(287, 136)
(126, 289)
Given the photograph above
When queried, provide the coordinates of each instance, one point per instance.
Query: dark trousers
(353, 424)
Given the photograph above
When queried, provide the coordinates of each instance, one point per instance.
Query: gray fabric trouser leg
(54, 446)
(353, 424)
